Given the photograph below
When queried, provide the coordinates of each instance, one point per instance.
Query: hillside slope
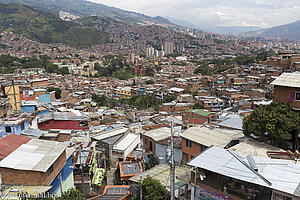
(288, 31)
(46, 28)
(85, 8)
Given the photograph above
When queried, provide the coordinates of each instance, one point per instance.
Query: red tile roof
(10, 143)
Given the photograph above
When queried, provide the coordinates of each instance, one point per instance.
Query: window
(8, 129)
(281, 197)
(83, 123)
(185, 157)
(188, 143)
(297, 96)
(22, 126)
(146, 141)
(47, 122)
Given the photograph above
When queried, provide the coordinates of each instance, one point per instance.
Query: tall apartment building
(168, 48)
(131, 58)
(150, 52)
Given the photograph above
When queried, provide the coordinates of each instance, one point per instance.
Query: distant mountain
(85, 8)
(288, 31)
(184, 23)
(233, 29)
(216, 29)
(47, 28)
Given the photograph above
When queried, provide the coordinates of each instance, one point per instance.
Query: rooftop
(60, 116)
(254, 148)
(211, 136)
(162, 174)
(109, 133)
(280, 175)
(200, 112)
(288, 80)
(129, 168)
(35, 155)
(10, 143)
(159, 133)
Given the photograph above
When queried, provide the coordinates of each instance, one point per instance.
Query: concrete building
(62, 120)
(196, 139)
(169, 48)
(36, 162)
(287, 89)
(13, 94)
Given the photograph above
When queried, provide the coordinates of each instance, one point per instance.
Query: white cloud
(263, 13)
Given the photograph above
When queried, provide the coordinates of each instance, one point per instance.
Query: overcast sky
(263, 13)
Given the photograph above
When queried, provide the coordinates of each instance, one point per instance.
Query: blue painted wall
(141, 91)
(43, 112)
(65, 172)
(45, 98)
(15, 129)
(29, 109)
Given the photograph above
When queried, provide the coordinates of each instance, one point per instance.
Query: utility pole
(172, 176)
(141, 188)
(60, 180)
(13, 85)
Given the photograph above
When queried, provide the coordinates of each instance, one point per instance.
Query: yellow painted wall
(9, 91)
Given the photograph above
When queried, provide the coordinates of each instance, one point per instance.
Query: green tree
(57, 92)
(276, 124)
(148, 82)
(149, 71)
(100, 100)
(152, 189)
(197, 106)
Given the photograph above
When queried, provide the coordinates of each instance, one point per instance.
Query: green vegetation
(152, 189)
(276, 124)
(148, 82)
(100, 100)
(116, 67)
(47, 28)
(221, 65)
(197, 106)
(146, 101)
(57, 92)
(9, 64)
(150, 71)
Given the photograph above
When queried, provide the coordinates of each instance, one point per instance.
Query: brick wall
(282, 94)
(193, 151)
(24, 177)
(147, 146)
(57, 166)
(63, 137)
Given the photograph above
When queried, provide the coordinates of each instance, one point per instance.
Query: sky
(262, 13)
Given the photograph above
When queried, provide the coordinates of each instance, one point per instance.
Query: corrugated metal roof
(109, 133)
(161, 173)
(283, 175)
(10, 143)
(232, 121)
(211, 136)
(288, 80)
(35, 155)
(130, 168)
(159, 133)
(126, 141)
